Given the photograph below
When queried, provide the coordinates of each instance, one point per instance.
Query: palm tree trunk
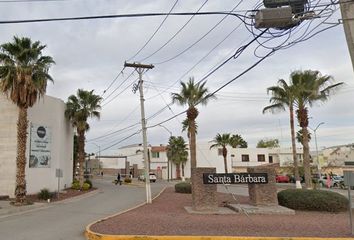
(224, 154)
(81, 155)
(193, 145)
(296, 167)
(178, 171)
(22, 125)
(307, 168)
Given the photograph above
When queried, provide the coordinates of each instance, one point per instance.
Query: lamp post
(318, 161)
(168, 162)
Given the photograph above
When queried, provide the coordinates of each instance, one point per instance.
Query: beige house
(49, 146)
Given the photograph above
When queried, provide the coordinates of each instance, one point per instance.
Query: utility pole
(347, 10)
(140, 69)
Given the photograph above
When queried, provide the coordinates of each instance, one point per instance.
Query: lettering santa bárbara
(235, 178)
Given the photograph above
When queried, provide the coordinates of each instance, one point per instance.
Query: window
(270, 158)
(245, 158)
(220, 151)
(155, 154)
(261, 157)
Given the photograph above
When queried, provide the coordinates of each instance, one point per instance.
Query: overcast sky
(89, 54)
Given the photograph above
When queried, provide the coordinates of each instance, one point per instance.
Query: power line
(201, 38)
(136, 15)
(115, 79)
(174, 35)
(122, 140)
(153, 35)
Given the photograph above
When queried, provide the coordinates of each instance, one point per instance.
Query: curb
(39, 206)
(91, 235)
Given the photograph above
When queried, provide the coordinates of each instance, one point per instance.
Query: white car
(152, 177)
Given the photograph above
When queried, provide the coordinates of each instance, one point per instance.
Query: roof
(158, 148)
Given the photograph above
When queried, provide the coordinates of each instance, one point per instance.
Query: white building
(238, 159)
(49, 146)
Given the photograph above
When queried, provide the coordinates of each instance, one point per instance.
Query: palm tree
(223, 141)
(309, 88)
(23, 78)
(177, 153)
(78, 109)
(282, 98)
(238, 141)
(191, 95)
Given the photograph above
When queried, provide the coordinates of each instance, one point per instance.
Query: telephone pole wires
(140, 69)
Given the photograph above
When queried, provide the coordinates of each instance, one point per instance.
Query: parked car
(152, 177)
(281, 179)
(323, 181)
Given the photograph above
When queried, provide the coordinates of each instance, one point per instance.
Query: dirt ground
(65, 194)
(167, 216)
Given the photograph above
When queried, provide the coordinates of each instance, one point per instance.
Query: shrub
(127, 180)
(44, 194)
(88, 182)
(75, 185)
(183, 187)
(313, 200)
(85, 186)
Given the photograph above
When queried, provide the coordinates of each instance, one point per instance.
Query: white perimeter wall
(49, 112)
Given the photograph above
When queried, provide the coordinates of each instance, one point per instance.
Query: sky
(90, 54)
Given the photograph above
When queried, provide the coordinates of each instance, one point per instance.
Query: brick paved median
(167, 216)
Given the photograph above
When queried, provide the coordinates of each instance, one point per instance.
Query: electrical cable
(201, 38)
(153, 35)
(174, 35)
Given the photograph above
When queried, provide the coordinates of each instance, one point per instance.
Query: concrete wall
(8, 146)
(48, 112)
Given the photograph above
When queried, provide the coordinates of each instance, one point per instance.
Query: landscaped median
(166, 218)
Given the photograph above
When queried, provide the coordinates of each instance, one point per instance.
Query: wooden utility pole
(140, 69)
(347, 10)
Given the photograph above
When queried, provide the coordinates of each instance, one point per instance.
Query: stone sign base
(263, 194)
(203, 195)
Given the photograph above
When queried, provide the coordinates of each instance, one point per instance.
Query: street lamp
(168, 162)
(318, 161)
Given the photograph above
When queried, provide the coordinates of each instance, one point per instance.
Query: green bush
(88, 182)
(183, 187)
(75, 185)
(313, 200)
(127, 180)
(45, 194)
(85, 186)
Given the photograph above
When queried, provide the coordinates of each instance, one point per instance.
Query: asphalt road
(68, 220)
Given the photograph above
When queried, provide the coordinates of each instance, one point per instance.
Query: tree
(177, 153)
(192, 94)
(238, 142)
(78, 109)
(282, 98)
(223, 141)
(23, 79)
(268, 143)
(299, 137)
(309, 88)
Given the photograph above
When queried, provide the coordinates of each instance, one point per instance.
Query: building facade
(49, 149)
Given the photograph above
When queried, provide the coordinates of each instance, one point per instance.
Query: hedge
(313, 200)
(183, 187)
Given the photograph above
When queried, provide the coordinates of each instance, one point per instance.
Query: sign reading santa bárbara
(235, 178)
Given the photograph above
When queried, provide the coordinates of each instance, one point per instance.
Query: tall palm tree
(191, 95)
(223, 141)
(79, 109)
(283, 96)
(309, 88)
(23, 78)
(177, 153)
